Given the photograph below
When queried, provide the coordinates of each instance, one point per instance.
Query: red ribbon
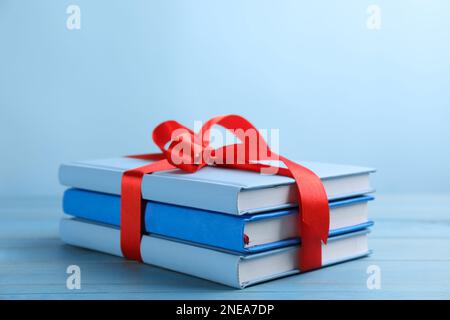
(312, 198)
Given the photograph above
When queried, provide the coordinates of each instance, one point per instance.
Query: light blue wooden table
(411, 243)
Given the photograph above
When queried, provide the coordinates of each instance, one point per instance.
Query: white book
(218, 189)
(225, 267)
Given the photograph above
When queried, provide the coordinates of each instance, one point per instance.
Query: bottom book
(225, 267)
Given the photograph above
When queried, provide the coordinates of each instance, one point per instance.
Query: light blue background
(338, 91)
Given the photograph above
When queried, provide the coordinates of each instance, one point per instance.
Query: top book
(217, 189)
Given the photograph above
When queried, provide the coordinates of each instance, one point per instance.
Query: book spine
(205, 227)
(90, 178)
(189, 224)
(191, 193)
(201, 262)
(156, 187)
(94, 206)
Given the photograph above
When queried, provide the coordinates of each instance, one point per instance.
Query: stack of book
(234, 227)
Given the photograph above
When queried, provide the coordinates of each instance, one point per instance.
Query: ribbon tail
(314, 214)
(310, 250)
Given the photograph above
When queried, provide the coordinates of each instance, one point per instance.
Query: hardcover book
(244, 233)
(223, 190)
(222, 266)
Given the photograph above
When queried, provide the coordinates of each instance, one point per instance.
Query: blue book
(223, 190)
(244, 233)
(225, 267)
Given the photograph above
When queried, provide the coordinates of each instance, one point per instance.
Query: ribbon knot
(184, 153)
(183, 149)
(191, 151)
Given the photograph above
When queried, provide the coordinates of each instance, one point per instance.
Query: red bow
(190, 152)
